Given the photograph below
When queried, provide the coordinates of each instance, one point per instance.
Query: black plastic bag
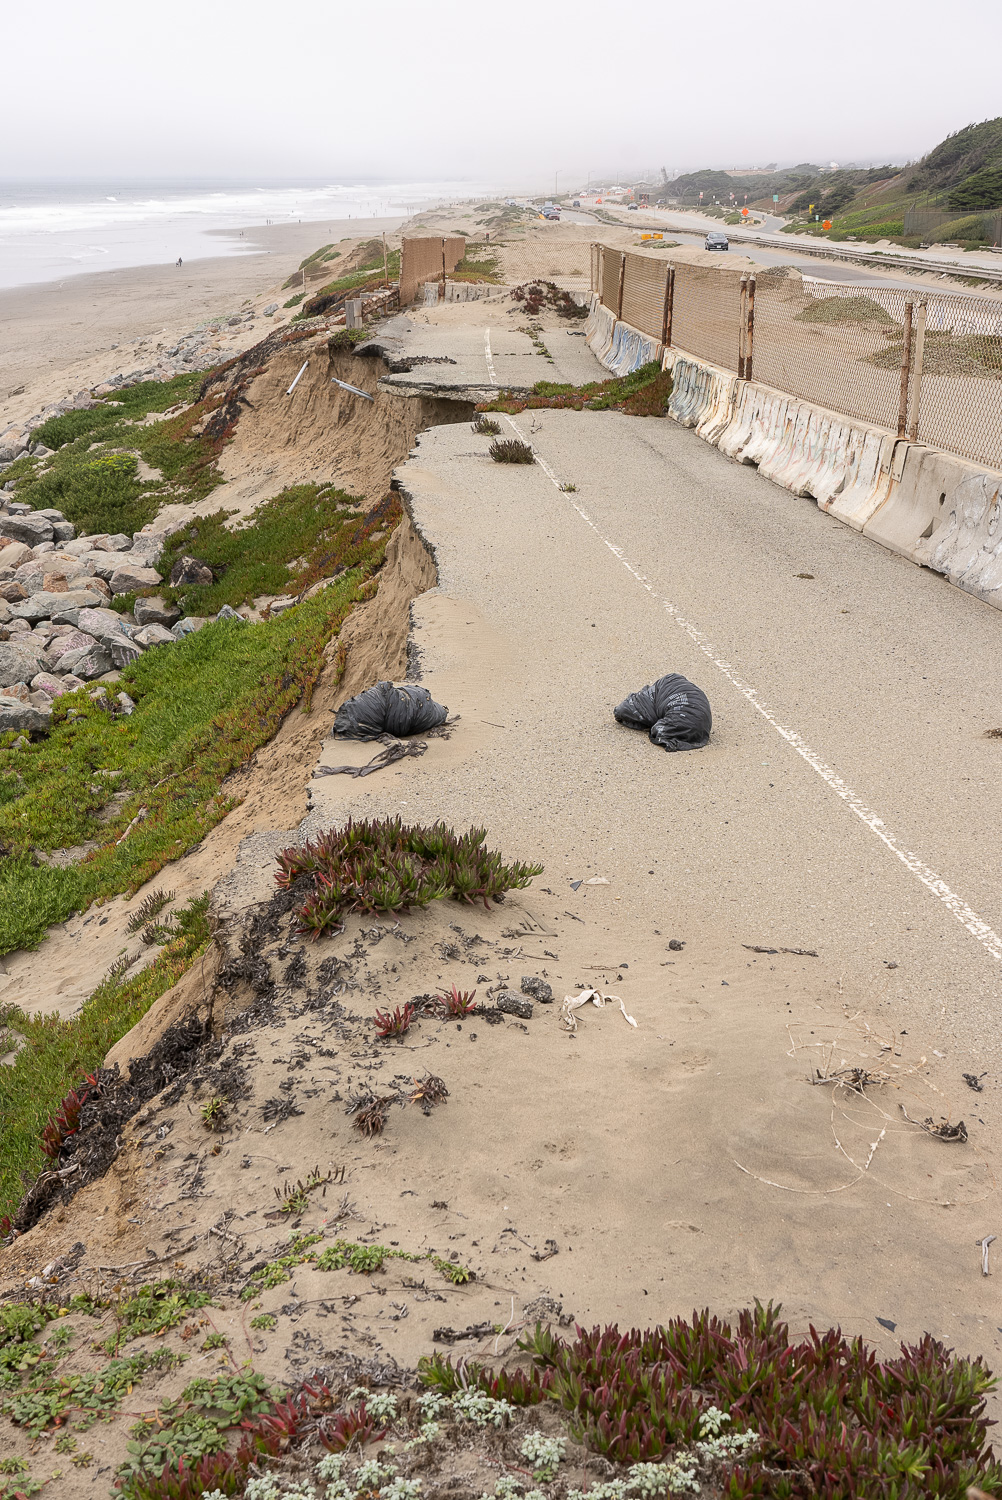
(386, 709)
(675, 712)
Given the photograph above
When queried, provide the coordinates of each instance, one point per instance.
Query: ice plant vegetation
(385, 865)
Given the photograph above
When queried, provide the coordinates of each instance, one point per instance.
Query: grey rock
(79, 547)
(45, 682)
(63, 531)
(87, 664)
(76, 640)
(154, 635)
(188, 626)
(118, 543)
(23, 718)
(99, 622)
(125, 702)
(228, 613)
(147, 548)
(123, 651)
(18, 507)
(11, 451)
(188, 571)
(13, 592)
(129, 578)
(6, 614)
(50, 515)
(19, 661)
(154, 611)
(17, 627)
(43, 606)
(271, 308)
(31, 529)
(281, 604)
(39, 450)
(13, 554)
(513, 1004)
(537, 989)
(103, 562)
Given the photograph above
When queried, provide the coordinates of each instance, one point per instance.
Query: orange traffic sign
(744, 213)
(827, 224)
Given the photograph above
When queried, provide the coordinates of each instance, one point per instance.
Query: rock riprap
(57, 632)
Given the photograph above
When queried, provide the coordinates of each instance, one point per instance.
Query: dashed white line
(489, 356)
(965, 915)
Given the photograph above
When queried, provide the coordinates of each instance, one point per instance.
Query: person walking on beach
(179, 262)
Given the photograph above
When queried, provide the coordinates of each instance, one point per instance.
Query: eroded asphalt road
(870, 676)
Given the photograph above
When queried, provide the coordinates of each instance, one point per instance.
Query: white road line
(959, 908)
(489, 356)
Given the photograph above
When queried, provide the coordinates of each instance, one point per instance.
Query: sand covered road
(536, 630)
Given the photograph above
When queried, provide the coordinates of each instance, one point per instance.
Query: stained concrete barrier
(937, 510)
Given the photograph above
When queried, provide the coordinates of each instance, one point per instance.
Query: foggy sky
(508, 93)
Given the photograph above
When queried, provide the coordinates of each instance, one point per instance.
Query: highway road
(844, 808)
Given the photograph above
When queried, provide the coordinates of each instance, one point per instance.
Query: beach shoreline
(61, 336)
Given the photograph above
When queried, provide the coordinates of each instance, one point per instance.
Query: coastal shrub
(830, 1418)
(643, 393)
(58, 1053)
(203, 706)
(303, 525)
(386, 865)
(368, 277)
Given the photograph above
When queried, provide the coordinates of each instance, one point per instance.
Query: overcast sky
(502, 92)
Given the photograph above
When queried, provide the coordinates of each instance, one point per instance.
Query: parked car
(717, 241)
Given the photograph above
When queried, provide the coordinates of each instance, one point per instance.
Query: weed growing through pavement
(511, 451)
(486, 426)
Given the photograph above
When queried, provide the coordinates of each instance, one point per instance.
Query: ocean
(52, 230)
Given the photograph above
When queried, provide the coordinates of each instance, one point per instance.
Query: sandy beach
(50, 333)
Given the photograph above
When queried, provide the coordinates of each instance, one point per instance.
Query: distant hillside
(969, 162)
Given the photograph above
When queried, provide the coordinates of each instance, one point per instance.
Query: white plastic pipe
(298, 378)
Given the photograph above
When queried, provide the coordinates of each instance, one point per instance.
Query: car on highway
(632, 207)
(716, 241)
(551, 212)
(576, 203)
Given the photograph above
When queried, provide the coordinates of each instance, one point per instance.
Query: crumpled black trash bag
(386, 709)
(674, 711)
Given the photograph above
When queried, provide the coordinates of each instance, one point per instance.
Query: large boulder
(147, 547)
(76, 640)
(19, 661)
(153, 635)
(123, 651)
(23, 718)
(13, 591)
(130, 578)
(31, 529)
(14, 554)
(44, 682)
(5, 612)
(87, 664)
(63, 531)
(42, 606)
(99, 622)
(188, 571)
(103, 562)
(153, 611)
(118, 543)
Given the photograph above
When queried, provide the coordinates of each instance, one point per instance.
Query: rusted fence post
(669, 307)
(622, 283)
(742, 324)
(917, 358)
(750, 328)
(906, 364)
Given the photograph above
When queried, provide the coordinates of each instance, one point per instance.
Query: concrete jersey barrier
(938, 510)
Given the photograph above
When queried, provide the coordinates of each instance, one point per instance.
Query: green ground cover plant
(644, 393)
(311, 526)
(93, 477)
(385, 865)
(203, 705)
(829, 1418)
(57, 1053)
(480, 263)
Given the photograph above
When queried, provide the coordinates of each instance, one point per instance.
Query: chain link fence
(925, 365)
